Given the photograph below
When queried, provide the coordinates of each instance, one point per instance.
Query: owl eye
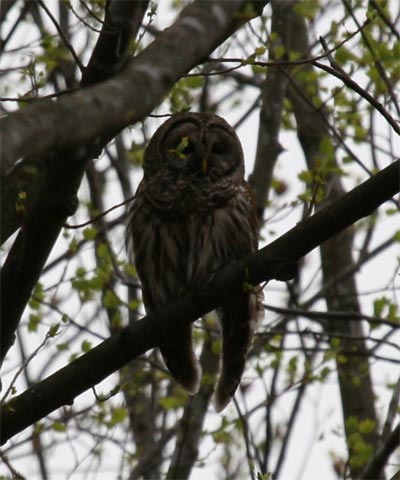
(219, 148)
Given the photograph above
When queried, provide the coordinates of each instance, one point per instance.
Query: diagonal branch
(50, 183)
(273, 261)
(121, 24)
(95, 115)
(379, 460)
(128, 97)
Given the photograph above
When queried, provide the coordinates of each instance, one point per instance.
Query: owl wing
(155, 250)
(238, 317)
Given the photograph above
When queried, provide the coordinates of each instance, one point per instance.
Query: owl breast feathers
(193, 213)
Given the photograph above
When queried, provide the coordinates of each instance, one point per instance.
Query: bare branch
(378, 461)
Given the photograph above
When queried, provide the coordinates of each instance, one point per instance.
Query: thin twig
(35, 99)
(98, 217)
(67, 43)
(331, 315)
(303, 61)
(344, 77)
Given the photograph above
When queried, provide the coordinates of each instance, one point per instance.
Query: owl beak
(204, 165)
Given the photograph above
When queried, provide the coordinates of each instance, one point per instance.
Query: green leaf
(391, 211)
(172, 402)
(90, 233)
(111, 300)
(86, 346)
(222, 437)
(37, 297)
(343, 55)
(116, 320)
(257, 69)
(103, 251)
(291, 369)
(73, 245)
(279, 51)
(73, 357)
(118, 416)
(293, 55)
(34, 321)
(54, 330)
(80, 272)
(130, 269)
(194, 82)
(207, 379)
(366, 426)
(58, 427)
(324, 374)
(306, 176)
(62, 347)
(260, 51)
(134, 304)
(264, 476)
(180, 97)
(347, 159)
(308, 9)
(247, 13)
(392, 315)
(136, 155)
(379, 305)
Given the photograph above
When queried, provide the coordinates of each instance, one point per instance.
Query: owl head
(195, 146)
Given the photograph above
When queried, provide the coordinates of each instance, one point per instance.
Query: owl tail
(238, 321)
(182, 362)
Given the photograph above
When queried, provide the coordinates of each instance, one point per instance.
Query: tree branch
(100, 111)
(273, 261)
(273, 94)
(51, 183)
(377, 463)
(128, 97)
(121, 25)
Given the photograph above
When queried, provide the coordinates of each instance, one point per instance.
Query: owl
(192, 214)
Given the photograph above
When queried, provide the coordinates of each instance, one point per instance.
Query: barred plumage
(192, 214)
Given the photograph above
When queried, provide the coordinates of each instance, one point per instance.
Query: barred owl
(192, 214)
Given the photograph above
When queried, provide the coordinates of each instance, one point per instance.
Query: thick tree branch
(52, 182)
(121, 24)
(273, 261)
(128, 97)
(101, 111)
